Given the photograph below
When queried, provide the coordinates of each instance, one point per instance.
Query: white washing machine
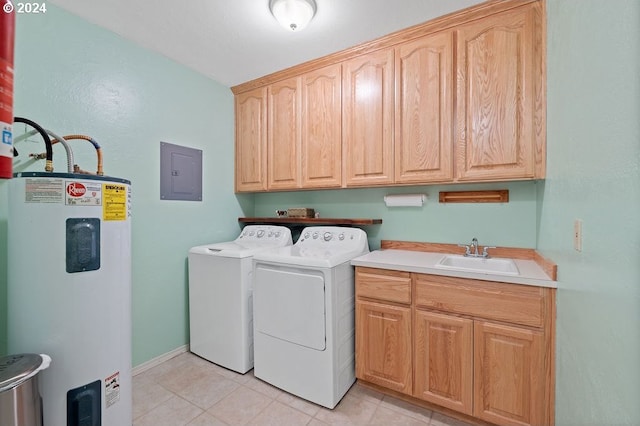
(220, 295)
(304, 303)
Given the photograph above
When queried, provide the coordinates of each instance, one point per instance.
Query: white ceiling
(234, 41)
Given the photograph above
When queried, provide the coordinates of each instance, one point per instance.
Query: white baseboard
(159, 360)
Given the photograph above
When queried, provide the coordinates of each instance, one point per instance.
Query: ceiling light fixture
(293, 15)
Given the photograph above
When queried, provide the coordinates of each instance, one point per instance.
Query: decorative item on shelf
(405, 200)
(293, 15)
(312, 220)
(281, 213)
(488, 196)
(300, 212)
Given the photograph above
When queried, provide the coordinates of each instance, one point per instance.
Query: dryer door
(288, 304)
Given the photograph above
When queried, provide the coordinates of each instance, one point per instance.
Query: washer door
(289, 304)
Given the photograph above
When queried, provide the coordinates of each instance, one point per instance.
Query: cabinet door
(368, 119)
(251, 140)
(508, 375)
(443, 360)
(284, 137)
(321, 128)
(500, 130)
(383, 345)
(424, 110)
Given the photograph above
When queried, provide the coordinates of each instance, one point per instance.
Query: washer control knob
(277, 234)
(315, 235)
(327, 236)
(260, 233)
(306, 235)
(251, 233)
(341, 237)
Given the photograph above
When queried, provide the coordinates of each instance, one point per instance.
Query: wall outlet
(577, 235)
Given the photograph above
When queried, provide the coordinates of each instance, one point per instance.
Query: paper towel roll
(405, 200)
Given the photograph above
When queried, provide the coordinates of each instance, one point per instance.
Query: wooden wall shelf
(489, 196)
(310, 221)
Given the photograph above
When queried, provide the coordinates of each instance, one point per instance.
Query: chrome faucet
(474, 246)
(471, 250)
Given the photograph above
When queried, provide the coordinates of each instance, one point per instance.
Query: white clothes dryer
(220, 295)
(304, 304)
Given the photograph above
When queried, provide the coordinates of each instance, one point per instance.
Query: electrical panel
(180, 173)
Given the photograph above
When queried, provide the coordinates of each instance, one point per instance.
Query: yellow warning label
(114, 201)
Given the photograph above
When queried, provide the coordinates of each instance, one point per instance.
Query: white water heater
(69, 292)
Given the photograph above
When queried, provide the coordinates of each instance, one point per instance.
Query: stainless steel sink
(478, 264)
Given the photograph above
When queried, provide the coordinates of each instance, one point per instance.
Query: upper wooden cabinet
(321, 128)
(284, 134)
(500, 75)
(251, 140)
(424, 110)
(457, 99)
(368, 119)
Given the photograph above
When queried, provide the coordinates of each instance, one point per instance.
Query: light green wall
(511, 224)
(74, 77)
(593, 128)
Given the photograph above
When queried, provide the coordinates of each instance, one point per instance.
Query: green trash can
(20, 401)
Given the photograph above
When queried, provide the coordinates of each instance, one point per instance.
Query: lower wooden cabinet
(480, 348)
(509, 380)
(443, 354)
(383, 345)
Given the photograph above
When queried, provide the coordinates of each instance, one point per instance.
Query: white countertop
(424, 263)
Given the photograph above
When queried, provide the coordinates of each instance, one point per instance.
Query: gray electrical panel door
(180, 173)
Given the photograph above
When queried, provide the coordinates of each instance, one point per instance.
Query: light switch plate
(577, 235)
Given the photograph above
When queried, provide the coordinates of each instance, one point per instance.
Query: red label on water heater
(76, 189)
(83, 194)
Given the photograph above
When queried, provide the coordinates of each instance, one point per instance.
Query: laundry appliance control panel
(332, 237)
(263, 233)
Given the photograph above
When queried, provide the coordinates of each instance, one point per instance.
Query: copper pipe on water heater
(95, 144)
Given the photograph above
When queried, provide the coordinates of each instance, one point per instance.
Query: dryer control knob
(277, 234)
(260, 233)
(315, 235)
(307, 235)
(327, 236)
(341, 237)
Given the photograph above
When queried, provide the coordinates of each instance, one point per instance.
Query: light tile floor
(188, 390)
